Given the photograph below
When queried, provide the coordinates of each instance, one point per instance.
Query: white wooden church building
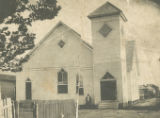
(63, 62)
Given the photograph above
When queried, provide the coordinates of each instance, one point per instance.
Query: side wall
(44, 84)
(133, 89)
(123, 38)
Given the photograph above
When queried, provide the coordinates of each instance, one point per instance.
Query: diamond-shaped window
(61, 43)
(105, 30)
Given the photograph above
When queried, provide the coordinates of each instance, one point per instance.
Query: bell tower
(109, 53)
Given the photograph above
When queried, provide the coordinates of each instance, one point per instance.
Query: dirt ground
(146, 109)
(119, 114)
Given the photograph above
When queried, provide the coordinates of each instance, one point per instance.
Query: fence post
(9, 107)
(37, 110)
(1, 109)
(4, 108)
(13, 109)
(17, 109)
(77, 109)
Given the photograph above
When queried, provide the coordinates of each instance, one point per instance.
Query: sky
(143, 19)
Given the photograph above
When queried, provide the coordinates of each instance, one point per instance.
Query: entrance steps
(108, 104)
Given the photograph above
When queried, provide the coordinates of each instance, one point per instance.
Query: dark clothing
(88, 100)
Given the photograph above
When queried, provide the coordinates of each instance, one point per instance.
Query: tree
(7, 7)
(15, 43)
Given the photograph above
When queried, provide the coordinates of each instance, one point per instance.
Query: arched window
(62, 81)
(79, 85)
(28, 89)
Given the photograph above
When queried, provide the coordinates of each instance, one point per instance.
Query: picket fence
(46, 109)
(7, 109)
(38, 109)
(56, 109)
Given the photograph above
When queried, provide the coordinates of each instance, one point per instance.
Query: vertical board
(56, 109)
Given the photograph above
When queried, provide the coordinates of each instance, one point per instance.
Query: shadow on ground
(150, 104)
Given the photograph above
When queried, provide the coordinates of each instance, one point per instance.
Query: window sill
(62, 93)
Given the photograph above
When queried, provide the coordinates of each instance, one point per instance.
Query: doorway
(108, 90)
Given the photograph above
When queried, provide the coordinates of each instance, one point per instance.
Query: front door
(108, 90)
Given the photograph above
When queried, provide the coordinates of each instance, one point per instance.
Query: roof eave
(102, 15)
(106, 15)
(4, 77)
(123, 17)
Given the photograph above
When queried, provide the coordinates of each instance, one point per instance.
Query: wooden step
(108, 105)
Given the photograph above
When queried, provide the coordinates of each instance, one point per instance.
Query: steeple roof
(107, 9)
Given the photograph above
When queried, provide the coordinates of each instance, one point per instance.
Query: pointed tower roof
(107, 9)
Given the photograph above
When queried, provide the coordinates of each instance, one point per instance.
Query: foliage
(44, 10)
(15, 43)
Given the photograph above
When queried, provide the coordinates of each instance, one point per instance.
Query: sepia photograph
(79, 58)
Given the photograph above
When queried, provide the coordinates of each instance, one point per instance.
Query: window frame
(79, 85)
(62, 82)
(28, 83)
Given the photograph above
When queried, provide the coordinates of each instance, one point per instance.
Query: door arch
(108, 87)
